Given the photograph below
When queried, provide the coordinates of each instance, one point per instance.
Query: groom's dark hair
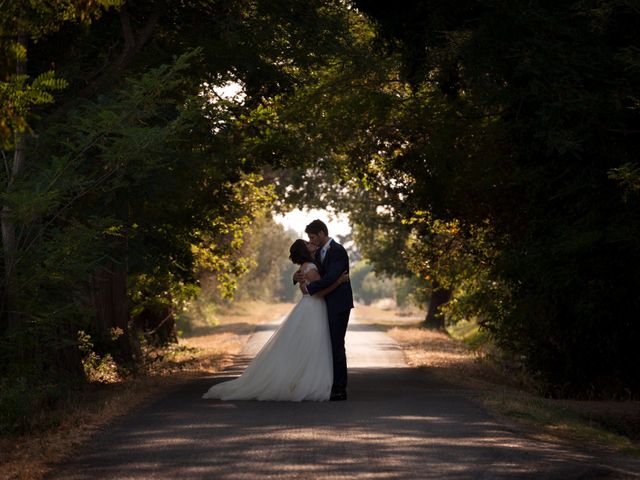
(316, 227)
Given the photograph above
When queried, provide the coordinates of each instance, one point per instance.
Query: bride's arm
(308, 276)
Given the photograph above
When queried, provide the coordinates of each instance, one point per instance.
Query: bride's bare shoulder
(308, 266)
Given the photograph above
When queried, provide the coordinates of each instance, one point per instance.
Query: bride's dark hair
(298, 252)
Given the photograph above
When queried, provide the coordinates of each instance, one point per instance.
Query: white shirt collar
(325, 249)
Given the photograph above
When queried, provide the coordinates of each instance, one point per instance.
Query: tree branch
(623, 131)
(133, 43)
(127, 30)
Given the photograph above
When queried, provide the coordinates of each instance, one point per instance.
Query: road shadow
(399, 423)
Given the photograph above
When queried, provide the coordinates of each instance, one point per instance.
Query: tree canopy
(495, 147)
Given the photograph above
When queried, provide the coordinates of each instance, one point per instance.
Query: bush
(25, 403)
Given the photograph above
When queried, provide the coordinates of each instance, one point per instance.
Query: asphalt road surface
(399, 423)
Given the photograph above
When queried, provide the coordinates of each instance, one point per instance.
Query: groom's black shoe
(338, 396)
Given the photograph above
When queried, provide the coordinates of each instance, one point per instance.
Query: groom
(332, 261)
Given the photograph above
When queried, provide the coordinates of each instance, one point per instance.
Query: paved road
(399, 423)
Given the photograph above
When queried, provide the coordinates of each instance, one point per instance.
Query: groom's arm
(338, 263)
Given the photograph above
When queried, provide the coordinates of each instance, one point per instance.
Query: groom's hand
(298, 277)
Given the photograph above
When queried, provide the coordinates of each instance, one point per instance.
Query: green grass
(581, 422)
(608, 430)
(469, 332)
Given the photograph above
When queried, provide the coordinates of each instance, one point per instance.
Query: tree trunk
(9, 242)
(439, 296)
(109, 301)
(9, 316)
(68, 358)
(158, 325)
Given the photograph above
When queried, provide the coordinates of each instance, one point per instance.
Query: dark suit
(339, 305)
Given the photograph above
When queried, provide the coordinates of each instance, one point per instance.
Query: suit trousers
(337, 330)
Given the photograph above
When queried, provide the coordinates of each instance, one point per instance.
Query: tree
(481, 147)
(268, 248)
(141, 178)
(20, 95)
(535, 110)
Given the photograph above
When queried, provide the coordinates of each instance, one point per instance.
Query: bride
(295, 364)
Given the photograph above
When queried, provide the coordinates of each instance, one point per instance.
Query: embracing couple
(305, 358)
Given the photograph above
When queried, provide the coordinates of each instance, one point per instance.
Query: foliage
(19, 23)
(18, 97)
(130, 182)
(535, 106)
(124, 187)
(268, 247)
(491, 150)
(376, 287)
(368, 285)
(22, 406)
(461, 258)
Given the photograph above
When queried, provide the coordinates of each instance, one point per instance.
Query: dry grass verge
(609, 425)
(208, 350)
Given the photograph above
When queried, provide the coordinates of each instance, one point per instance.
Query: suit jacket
(335, 262)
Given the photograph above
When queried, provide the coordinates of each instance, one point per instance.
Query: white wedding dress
(294, 365)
